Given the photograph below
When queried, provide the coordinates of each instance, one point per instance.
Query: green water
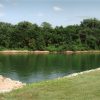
(34, 68)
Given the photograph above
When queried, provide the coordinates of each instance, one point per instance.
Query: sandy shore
(23, 52)
(46, 52)
(81, 52)
(7, 85)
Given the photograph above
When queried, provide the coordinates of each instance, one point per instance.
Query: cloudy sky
(56, 12)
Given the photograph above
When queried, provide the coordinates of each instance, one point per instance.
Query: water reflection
(33, 68)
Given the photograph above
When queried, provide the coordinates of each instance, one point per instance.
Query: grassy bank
(82, 87)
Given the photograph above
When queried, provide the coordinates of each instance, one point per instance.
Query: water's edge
(9, 85)
(83, 72)
(46, 52)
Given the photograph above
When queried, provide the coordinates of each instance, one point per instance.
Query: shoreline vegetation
(46, 52)
(59, 88)
(29, 36)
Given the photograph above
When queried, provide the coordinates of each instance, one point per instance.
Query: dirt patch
(7, 85)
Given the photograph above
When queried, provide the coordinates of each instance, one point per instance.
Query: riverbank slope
(82, 86)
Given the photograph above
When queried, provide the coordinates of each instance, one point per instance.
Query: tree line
(26, 35)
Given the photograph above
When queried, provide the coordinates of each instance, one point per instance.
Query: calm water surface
(34, 68)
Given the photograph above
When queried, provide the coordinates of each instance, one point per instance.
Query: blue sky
(56, 12)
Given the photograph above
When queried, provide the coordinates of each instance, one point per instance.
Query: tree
(26, 35)
(46, 25)
(90, 23)
(5, 34)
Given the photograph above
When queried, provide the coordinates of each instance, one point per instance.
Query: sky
(56, 12)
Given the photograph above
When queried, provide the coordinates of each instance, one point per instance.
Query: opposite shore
(46, 52)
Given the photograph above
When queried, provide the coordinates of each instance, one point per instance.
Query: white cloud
(13, 2)
(7, 0)
(1, 10)
(1, 6)
(40, 14)
(1, 14)
(56, 8)
(83, 17)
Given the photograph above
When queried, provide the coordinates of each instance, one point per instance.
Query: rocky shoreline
(7, 85)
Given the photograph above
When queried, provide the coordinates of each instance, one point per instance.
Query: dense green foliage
(26, 35)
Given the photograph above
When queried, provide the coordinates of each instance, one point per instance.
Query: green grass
(81, 87)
